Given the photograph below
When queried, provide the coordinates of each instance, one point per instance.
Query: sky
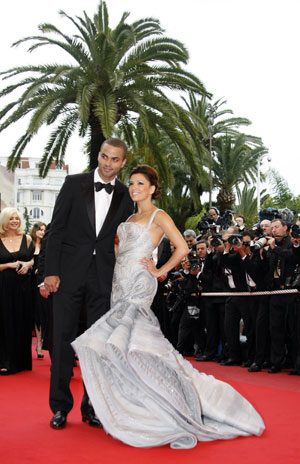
(245, 51)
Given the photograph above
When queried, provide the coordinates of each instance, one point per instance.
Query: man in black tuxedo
(79, 264)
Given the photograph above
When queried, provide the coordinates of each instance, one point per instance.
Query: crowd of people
(23, 312)
(256, 323)
(256, 332)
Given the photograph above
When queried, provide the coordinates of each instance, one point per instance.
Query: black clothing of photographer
(183, 292)
(158, 304)
(295, 238)
(211, 221)
(191, 324)
(237, 308)
(282, 264)
(256, 267)
(212, 279)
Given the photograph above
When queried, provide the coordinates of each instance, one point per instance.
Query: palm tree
(212, 120)
(116, 74)
(235, 161)
(247, 203)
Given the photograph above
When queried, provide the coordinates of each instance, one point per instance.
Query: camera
(257, 230)
(205, 223)
(227, 216)
(235, 239)
(172, 284)
(295, 231)
(176, 293)
(195, 263)
(216, 240)
(260, 243)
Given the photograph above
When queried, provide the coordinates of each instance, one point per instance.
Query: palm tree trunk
(97, 138)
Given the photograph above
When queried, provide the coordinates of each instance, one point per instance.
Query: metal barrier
(271, 292)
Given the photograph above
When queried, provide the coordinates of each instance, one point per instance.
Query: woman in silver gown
(143, 391)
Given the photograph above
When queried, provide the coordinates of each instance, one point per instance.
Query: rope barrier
(271, 292)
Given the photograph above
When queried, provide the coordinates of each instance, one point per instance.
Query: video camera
(286, 214)
(207, 223)
(227, 217)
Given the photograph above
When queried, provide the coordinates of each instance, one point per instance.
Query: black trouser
(190, 332)
(158, 306)
(214, 315)
(66, 312)
(236, 308)
(260, 312)
(297, 335)
(280, 305)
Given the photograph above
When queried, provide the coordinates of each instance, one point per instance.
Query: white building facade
(33, 193)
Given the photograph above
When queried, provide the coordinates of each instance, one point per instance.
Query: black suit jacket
(72, 238)
(234, 262)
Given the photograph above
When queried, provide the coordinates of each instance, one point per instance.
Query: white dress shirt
(102, 202)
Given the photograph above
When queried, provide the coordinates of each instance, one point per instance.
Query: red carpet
(25, 435)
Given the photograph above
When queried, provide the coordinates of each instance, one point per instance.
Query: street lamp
(259, 161)
(258, 184)
(211, 113)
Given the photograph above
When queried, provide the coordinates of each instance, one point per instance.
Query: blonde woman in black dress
(16, 261)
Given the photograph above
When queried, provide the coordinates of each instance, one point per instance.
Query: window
(37, 195)
(19, 181)
(18, 197)
(36, 165)
(36, 213)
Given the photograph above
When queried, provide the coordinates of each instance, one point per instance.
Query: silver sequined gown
(143, 391)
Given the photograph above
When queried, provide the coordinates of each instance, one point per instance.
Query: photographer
(212, 222)
(240, 223)
(183, 306)
(295, 239)
(256, 267)
(282, 263)
(191, 239)
(212, 279)
(237, 308)
(175, 298)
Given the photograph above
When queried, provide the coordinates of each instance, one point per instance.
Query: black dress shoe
(91, 419)
(266, 365)
(204, 358)
(246, 363)
(231, 362)
(295, 372)
(274, 370)
(254, 368)
(59, 420)
(218, 358)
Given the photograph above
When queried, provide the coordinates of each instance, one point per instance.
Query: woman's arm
(26, 265)
(166, 225)
(13, 265)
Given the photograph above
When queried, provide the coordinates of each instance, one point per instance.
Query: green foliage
(281, 193)
(114, 76)
(247, 204)
(192, 222)
(26, 221)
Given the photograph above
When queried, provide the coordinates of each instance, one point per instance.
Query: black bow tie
(108, 187)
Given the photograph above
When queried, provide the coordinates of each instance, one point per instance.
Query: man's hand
(52, 283)
(162, 277)
(271, 242)
(43, 291)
